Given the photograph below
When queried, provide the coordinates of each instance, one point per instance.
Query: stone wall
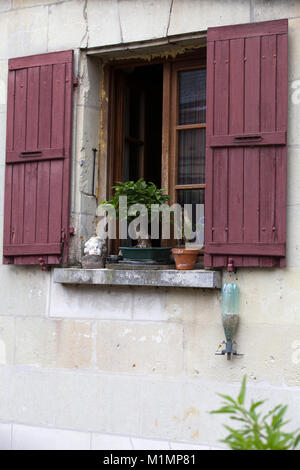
(80, 364)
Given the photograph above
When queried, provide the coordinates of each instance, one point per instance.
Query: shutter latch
(44, 265)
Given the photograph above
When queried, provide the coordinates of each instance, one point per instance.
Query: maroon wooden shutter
(38, 153)
(245, 222)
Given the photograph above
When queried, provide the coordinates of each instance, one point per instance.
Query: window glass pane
(191, 156)
(194, 197)
(192, 96)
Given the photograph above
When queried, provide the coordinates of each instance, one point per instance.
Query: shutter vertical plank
(267, 155)
(9, 169)
(7, 210)
(208, 207)
(252, 85)
(17, 209)
(268, 83)
(42, 209)
(30, 201)
(11, 93)
(220, 194)
(236, 156)
(58, 106)
(55, 198)
(250, 153)
(281, 82)
(37, 185)
(220, 126)
(32, 118)
(67, 161)
(280, 214)
(20, 110)
(281, 153)
(251, 201)
(45, 113)
(42, 213)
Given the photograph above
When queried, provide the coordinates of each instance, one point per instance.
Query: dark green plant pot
(159, 254)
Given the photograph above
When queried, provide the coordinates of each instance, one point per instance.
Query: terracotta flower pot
(185, 258)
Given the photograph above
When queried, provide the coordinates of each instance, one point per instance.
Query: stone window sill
(199, 278)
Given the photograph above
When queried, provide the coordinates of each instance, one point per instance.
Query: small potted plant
(146, 194)
(185, 257)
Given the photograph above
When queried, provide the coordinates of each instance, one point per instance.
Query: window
(158, 121)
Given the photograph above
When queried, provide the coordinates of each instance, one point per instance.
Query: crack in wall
(170, 14)
(85, 37)
(120, 24)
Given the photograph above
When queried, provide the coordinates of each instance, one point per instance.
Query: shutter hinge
(75, 82)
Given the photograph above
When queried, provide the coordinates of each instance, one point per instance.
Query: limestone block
(2, 172)
(5, 436)
(293, 236)
(149, 444)
(122, 399)
(291, 356)
(294, 49)
(1, 238)
(264, 10)
(140, 348)
(67, 26)
(87, 139)
(24, 290)
(69, 400)
(32, 3)
(293, 176)
(35, 438)
(2, 137)
(5, 5)
(87, 227)
(187, 446)
(104, 23)
(144, 20)
(88, 204)
(268, 296)
(194, 305)
(53, 343)
(162, 403)
(179, 411)
(7, 340)
(3, 85)
(150, 304)
(110, 442)
(262, 346)
(293, 128)
(90, 302)
(191, 15)
(89, 81)
(24, 32)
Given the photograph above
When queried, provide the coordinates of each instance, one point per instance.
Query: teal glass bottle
(230, 314)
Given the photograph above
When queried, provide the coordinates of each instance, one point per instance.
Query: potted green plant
(140, 193)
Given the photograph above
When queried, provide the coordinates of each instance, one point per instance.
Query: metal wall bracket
(228, 350)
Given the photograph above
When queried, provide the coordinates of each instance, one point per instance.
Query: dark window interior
(143, 123)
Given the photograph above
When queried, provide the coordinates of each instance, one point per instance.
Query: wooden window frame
(111, 122)
(171, 126)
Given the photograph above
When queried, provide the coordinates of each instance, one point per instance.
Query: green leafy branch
(257, 431)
